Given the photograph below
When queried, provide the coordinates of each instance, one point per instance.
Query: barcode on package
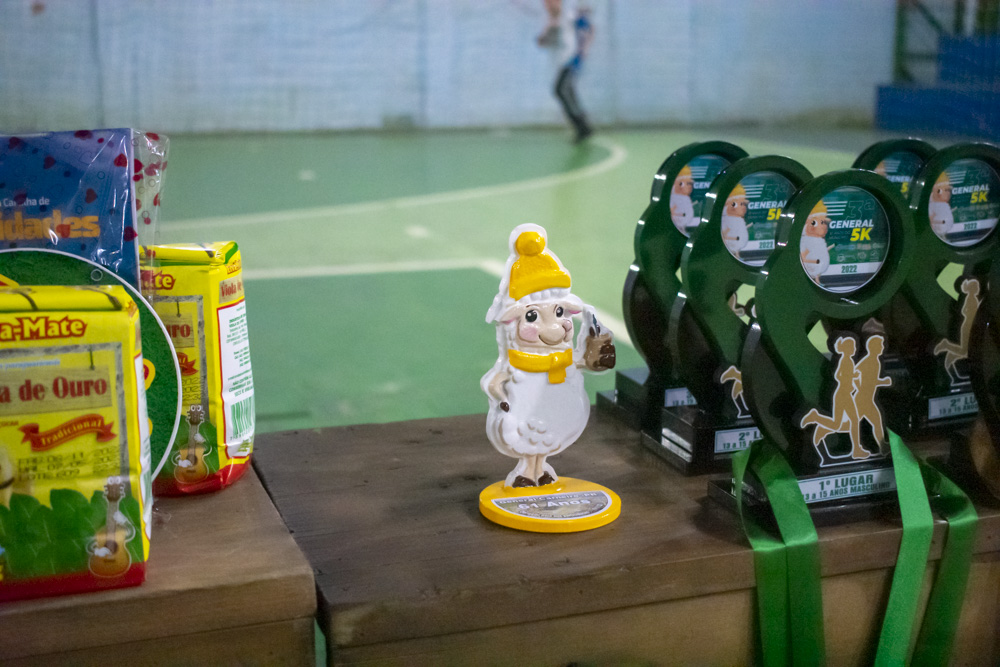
(241, 417)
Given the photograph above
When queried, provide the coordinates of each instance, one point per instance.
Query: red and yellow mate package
(75, 488)
(197, 290)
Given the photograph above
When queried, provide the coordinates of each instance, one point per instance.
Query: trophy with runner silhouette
(976, 460)
(812, 362)
(710, 316)
(955, 200)
(651, 286)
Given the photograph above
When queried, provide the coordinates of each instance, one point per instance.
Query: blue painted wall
(219, 65)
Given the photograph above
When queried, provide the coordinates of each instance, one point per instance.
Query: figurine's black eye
(531, 316)
(559, 311)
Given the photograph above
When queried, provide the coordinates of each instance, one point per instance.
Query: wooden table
(409, 573)
(225, 584)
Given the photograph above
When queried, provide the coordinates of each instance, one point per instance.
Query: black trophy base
(913, 415)
(635, 402)
(856, 492)
(695, 442)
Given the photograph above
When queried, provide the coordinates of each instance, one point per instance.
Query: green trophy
(955, 201)
(976, 459)
(898, 160)
(846, 244)
(710, 315)
(652, 282)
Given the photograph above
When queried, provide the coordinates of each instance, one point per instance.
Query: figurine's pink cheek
(528, 333)
(568, 326)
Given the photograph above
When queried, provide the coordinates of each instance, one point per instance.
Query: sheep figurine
(538, 404)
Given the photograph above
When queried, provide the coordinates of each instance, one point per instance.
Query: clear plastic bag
(91, 193)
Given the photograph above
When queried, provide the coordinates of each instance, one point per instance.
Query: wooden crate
(409, 572)
(225, 584)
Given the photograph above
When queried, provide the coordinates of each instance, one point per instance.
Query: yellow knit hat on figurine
(530, 269)
(535, 269)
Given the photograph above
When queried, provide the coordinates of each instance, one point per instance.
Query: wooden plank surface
(708, 630)
(388, 516)
(224, 580)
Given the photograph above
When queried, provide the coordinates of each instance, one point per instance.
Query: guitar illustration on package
(197, 290)
(75, 467)
(75, 192)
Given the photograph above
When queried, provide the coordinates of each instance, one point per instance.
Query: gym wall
(225, 65)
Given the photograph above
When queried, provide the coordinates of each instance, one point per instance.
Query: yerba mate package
(75, 488)
(197, 290)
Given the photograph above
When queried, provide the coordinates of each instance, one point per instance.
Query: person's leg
(566, 94)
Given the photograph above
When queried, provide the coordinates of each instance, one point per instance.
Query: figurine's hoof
(521, 480)
(545, 479)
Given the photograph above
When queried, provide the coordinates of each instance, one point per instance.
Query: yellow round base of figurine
(566, 506)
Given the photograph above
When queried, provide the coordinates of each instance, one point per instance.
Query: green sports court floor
(370, 259)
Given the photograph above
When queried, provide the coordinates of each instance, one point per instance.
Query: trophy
(812, 360)
(955, 201)
(538, 403)
(976, 460)
(898, 160)
(710, 315)
(652, 282)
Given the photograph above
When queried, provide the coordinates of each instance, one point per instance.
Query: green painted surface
(211, 175)
(374, 348)
(362, 341)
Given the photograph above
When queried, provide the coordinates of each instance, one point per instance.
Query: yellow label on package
(197, 290)
(75, 491)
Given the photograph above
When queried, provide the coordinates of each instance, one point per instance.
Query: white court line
(360, 269)
(617, 156)
(489, 266)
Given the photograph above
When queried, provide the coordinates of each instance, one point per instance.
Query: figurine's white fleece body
(544, 418)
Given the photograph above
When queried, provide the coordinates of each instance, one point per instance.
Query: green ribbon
(788, 569)
(794, 561)
(770, 573)
(914, 547)
(944, 607)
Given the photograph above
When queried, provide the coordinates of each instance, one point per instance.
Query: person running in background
(569, 34)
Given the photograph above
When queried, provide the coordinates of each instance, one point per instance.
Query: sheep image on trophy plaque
(538, 403)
